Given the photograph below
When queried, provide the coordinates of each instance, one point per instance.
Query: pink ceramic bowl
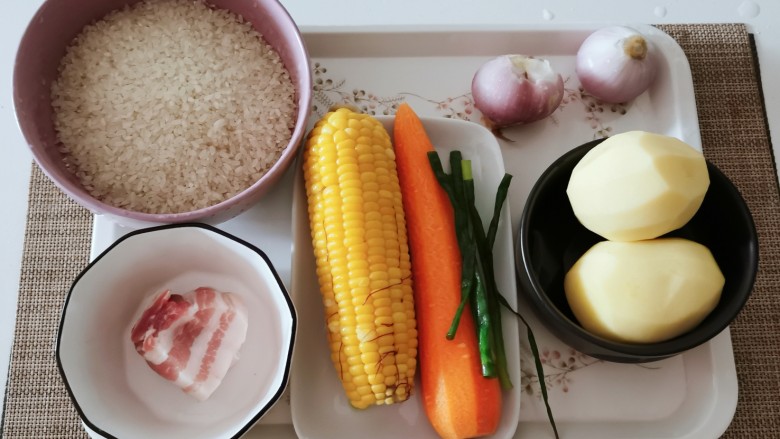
(42, 47)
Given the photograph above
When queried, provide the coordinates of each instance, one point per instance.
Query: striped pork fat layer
(192, 339)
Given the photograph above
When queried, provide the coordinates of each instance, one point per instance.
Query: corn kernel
(362, 256)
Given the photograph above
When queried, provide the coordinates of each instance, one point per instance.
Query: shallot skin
(616, 64)
(509, 93)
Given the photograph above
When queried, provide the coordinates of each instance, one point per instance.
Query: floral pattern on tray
(559, 368)
(329, 92)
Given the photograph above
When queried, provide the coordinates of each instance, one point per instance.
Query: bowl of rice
(163, 111)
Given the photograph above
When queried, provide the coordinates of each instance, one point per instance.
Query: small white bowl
(115, 392)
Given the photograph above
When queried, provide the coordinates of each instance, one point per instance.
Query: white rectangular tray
(693, 395)
(313, 378)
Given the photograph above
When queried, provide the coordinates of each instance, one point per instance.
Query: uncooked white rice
(168, 106)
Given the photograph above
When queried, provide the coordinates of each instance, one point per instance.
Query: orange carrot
(459, 401)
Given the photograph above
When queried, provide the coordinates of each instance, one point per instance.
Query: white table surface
(761, 17)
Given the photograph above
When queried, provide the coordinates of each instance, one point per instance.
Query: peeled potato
(644, 291)
(638, 185)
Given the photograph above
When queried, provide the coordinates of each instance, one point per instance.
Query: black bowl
(551, 239)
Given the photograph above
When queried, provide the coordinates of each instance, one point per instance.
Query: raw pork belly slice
(192, 339)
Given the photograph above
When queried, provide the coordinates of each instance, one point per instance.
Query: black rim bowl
(551, 239)
(99, 426)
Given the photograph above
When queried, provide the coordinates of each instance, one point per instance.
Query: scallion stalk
(478, 284)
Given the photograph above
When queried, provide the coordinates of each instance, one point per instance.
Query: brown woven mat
(735, 138)
(56, 248)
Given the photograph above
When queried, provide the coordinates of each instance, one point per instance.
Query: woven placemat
(56, 248)
(735, 138)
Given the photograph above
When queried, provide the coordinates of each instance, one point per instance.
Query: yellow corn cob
(360, 246)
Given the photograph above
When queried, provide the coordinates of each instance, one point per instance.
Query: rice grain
(170, 106)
